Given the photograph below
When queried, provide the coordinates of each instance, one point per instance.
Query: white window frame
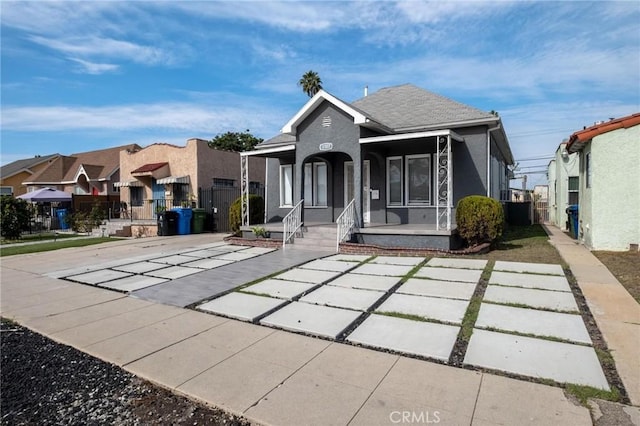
(389, 160)
(573, 191)
(283, 201)
(311, 179)
(407, 199)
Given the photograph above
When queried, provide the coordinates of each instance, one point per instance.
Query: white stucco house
(564, 184)
(609, 206)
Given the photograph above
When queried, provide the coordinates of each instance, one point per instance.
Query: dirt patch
(524, 244)
(626, 268)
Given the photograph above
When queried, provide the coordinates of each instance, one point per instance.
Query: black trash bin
(167, 223)
(572, 212)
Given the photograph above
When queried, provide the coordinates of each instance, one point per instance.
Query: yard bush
(256, 212)
(479, 219)
(86, 221)
(14, 217)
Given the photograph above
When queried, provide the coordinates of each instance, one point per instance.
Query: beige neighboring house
(13, 175)
(84, 173)
(162, 176)
(563, 177)
(609, 207)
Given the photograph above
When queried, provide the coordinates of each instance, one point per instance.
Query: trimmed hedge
(480, 219)
(256, 212)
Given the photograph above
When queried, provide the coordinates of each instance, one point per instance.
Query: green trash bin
(198, 220)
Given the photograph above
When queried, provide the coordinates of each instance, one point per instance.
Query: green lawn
(44, 236)
(524, 244)
(53, 245)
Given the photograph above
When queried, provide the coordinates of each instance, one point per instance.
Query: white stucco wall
(560, 169)
(610, 209)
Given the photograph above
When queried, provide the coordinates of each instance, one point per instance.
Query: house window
(180, 193)
(254, 187)
(574, 187)
(394, 181)
(315, 184)
(136, 194)
(115, 188)
(6, 190)
(286, 185)
(588, 169)
(418, 179)
(226, 183)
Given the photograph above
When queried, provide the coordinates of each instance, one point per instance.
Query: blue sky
(84, 75)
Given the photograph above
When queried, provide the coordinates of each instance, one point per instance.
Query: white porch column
(244, 188)
(444, 184)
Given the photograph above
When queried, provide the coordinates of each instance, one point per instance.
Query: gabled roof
(18, 166)
(149, 167)
(408, 108)
(98, 165)
(579, 139)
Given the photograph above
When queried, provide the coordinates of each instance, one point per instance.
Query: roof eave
(450, 125)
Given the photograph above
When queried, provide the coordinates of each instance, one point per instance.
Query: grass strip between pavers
(57, 245)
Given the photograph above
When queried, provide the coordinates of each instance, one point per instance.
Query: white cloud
(94, 68)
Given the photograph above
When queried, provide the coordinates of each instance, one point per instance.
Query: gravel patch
(46, 383)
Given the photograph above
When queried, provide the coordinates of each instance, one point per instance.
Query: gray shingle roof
(279, 139)
(408, 106)
(12, 168)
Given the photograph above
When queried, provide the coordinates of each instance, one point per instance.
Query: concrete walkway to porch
(616, 312)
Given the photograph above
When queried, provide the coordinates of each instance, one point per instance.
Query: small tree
(256, 212)
(14, 217)
(480, 219)
(235, 141)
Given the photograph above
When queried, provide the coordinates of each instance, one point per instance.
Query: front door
(349, 190)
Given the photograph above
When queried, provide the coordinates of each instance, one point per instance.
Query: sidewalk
(615, 311)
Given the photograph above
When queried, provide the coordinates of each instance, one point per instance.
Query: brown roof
(149, 167)
(578, 140)
(98, 164)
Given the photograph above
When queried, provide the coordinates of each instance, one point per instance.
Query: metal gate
(217, 200)
(541, 211)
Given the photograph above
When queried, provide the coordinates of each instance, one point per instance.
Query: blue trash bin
(184, 220)
(62, 219)
(572, 211)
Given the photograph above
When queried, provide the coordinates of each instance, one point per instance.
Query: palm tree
(310, 83)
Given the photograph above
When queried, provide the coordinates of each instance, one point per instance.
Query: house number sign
(327, 146)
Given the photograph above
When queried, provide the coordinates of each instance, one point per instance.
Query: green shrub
(86, 221)
(256, 212)
(480, 219)
(14, 217)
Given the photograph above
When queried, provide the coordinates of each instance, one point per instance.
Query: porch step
(317, 237)
(114, 228)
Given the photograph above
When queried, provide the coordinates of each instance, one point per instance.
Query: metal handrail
(346, 223)
(292, 222)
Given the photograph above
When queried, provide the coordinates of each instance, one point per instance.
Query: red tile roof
(581, 137)
(149, 167)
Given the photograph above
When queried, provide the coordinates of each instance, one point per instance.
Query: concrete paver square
(59, 306)
(201, 254)
(243, 306)
(307, 275)
(173, 272)
(382, 269)
(236, 255)
(312, 319)
(343, 297)
(228, 248)
(403, 335)
(140, 267)
(328, 265)
(348, 257)
(562, 362)
(500, 402)
(430, 387)
(450, 274)
(259, 250)
(237, 382)
(436, 288)
(556, 300)
(48, 294)
(447, 310)
(281, 289)
(131, 346)
(207, 263)
(176, 259)
(544, 282)
(134, 282)
(447, 262)
(534, 268)
(310, 400)
(398, 260)
(531, 321)
(97, 277)
(369, 282)
(352, 365)
(286, 349)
